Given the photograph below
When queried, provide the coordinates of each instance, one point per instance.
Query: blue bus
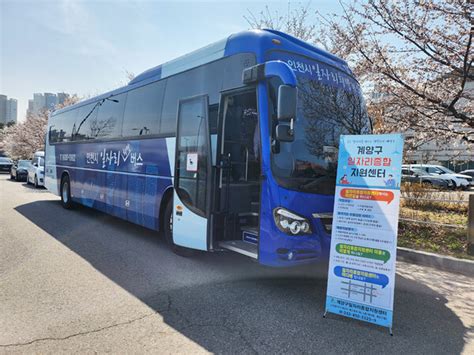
(231, 147)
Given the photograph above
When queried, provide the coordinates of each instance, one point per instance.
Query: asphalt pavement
(82, 281)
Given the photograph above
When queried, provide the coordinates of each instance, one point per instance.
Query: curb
(441, 262)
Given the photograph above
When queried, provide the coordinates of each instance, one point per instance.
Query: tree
(22, 140)
(8, 124)
(416, 54)
(423, 73)
(296, 22)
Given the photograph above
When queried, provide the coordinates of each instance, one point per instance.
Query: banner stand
(363, 251)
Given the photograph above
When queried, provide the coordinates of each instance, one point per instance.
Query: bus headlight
(290, 223)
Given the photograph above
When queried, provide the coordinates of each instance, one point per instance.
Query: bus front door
(192, 175)
(239, 179)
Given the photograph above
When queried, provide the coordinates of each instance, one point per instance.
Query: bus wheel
(168, 233)
(66, 200)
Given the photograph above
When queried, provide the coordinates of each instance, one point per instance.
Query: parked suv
(460, 181)
(415, 175)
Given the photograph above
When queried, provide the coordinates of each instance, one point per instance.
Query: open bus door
(192, 174)
(239, 174)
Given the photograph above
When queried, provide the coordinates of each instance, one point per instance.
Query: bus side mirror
(284, 133)
(286, 109)
(267, 70)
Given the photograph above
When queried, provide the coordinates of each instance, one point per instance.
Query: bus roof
(252, 41)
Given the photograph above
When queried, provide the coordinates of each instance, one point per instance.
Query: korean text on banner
(361, 279)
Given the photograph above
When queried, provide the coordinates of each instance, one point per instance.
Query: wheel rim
(65, 192)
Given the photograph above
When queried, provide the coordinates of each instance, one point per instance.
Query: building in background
(45, 101)
(62, 96)
(12, 111)
(8, 110)
(30, 106)
(457, 154)
(51, 100)
(39, 103)
(3, 108)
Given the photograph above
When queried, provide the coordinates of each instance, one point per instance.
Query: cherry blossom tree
(416, 55)
(297, 22)
(23, 139)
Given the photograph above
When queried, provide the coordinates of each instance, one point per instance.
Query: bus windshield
(330, 103)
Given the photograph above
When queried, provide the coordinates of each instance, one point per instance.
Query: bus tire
(168, 232)
(66, 199)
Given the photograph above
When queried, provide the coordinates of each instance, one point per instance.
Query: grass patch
(441, 240)
(433, 237)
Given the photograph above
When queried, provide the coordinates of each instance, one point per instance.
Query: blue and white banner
(361, 276)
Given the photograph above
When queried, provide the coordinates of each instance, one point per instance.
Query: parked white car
(469, 172)
(36, 170)
(460, 181)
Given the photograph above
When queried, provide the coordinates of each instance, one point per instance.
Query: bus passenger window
(143, 110)
(108, 123)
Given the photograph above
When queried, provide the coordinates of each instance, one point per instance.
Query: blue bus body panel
(126, 179)
(261, 41)
(279, 249)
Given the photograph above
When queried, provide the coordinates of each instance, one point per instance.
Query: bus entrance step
(250, 234)
(241, 247)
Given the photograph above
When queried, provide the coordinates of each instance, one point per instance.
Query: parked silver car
(460, 181)
(414, 175)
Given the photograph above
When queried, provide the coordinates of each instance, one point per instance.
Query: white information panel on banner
(361, 275)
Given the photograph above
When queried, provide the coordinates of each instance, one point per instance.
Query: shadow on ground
(27, 185)
(229, 304)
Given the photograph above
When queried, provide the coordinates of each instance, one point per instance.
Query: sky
(86, 47)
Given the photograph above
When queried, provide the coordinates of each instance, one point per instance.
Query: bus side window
(108, 124)
(205, 80)
(62, 126)
(85, 113)
(143, 110)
